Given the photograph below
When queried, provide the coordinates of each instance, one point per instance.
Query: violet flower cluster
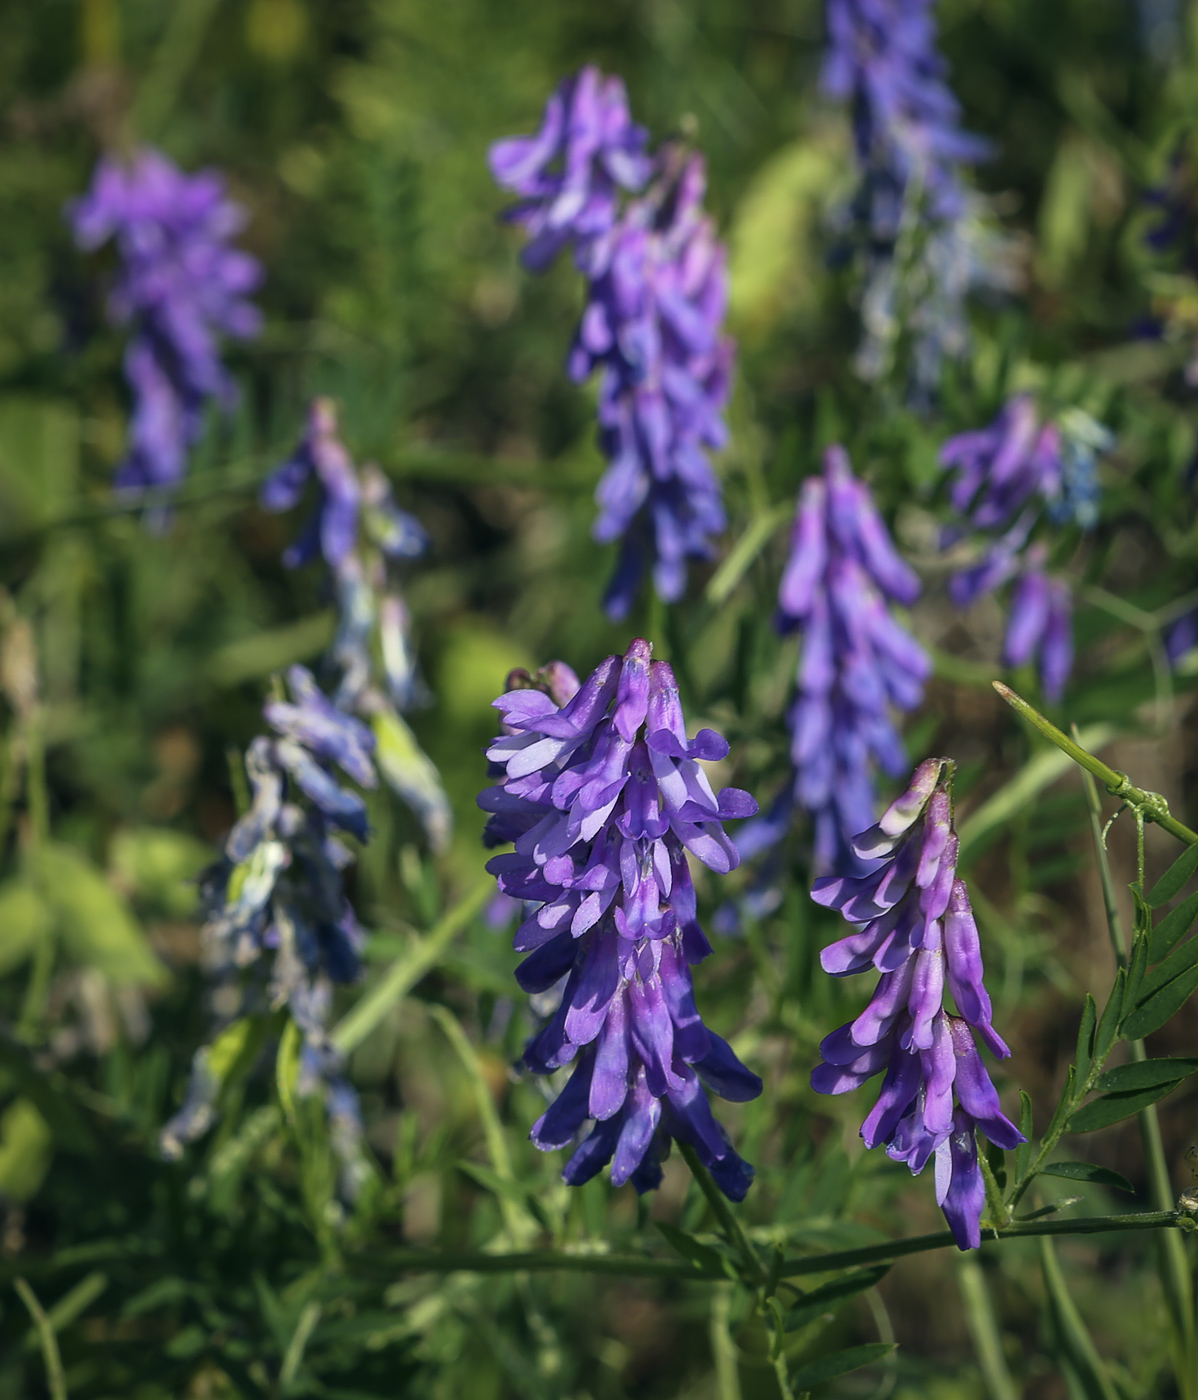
(180, 285)
(1009, 477)
(601, 792)
(858, 664)
(275, 902)
(917, 227)
(656, 296)
(361, 534)
(917, 928)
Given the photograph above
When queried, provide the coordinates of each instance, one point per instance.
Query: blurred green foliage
(134, 664)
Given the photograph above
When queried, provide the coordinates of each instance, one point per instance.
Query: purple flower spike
(652, 326)
(883, 60)
(602, 794)
(1009, 476)
(919, 929)
(570, 173)
(180, 285)
(858, 663)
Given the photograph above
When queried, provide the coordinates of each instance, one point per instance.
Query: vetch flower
(919, 229)
(362, 535)
(180, 285)
(1008, 478)
(916, 927)
(569, 174)
(652, 324)
(858, 663)
(275, 902)
(601, 792)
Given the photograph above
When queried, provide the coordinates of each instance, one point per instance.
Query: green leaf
(1023, 1153)
(407, 769)
(93, 922)
(1085, 1038)
(1063, 1104)
(1178, 961)
(1153, 1011)
(1111, 1108)
(1074, 1339)
(691, 1249)
(159, 865)
(1177, 875)
(819, 1300)
(1108, 1025)
(25, 1150)
(25, 919)
(1171, 928)
(1087, 1171)
(839, 1364)
(1137, 967)
(1145, 1074)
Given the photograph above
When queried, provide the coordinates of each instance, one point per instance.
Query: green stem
(983, 1327)
(643, 1266)
(1151, 805)
(45, 1335)
(405, 972)
(755, 1273)
(1113, 922)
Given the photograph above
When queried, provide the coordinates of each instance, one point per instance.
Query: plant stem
(1113, 922)
(405, 972)
(983, 1327)
(45, 1335)
(754, 1269)
(644, 1266)
(1151, 805)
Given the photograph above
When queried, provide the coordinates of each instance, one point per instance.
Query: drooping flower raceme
(275, 902)
(916, 927)
(602, 794)
(858, 663)
(180, 285)
(361, 534)
(1009, 477)
(923, 243)
(657, 291)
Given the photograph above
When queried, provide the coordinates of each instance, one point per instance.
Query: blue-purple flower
(916, 927)
(180, 285)
(858, 663)
(1008, 477)
(602, 794)
(916, 224)
(275, 902)
(358, 530)
(657, 292)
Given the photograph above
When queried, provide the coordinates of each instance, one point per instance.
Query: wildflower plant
(362, 536)
(652, 324)
(603, 797)
(1019, 473)
(180, 285)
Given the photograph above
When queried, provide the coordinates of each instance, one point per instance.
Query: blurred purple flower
(601, 792)
(180, 284)
(652, 324)
(858, 662)
(359, 531)
(917, 928)
(277, 897)
(570, 172)
(1008, 477)
(917, 225)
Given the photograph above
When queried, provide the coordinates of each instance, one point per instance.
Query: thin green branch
(55, 1383)
(643, 1266)
(1150, 805)
(755, 1273)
